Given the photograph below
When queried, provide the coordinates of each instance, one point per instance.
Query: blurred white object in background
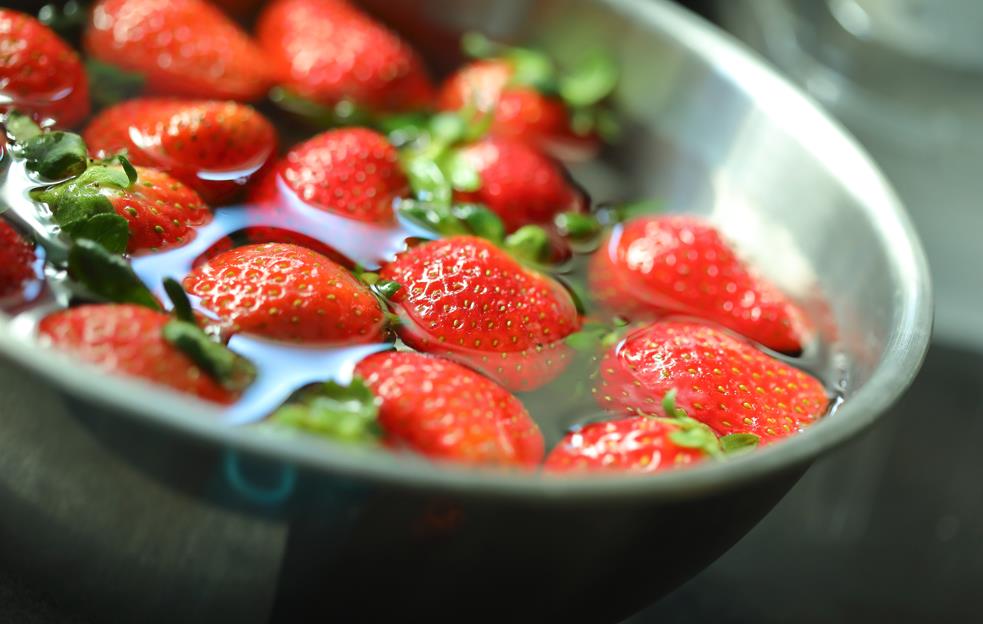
(906, 77)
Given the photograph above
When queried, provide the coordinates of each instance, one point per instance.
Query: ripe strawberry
(719, 380)
(181, 47)
(658, 265)
(520, 112)
(635, 444)
(39, 73)
(518, 183)
(445, 411)
(467, 299)
(213, 147)
(128, 340)
(289, 293)
(328, 51)
(16, 260)
(351, 172)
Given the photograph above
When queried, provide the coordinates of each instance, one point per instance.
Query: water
(283, 367)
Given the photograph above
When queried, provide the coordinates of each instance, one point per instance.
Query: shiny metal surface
(111, 488)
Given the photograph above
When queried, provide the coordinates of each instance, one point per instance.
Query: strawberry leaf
(427, 180)
(344, 113)
(460, 172)
(110, 85)
(344, 413)
(529, 243)
(696, 436)
(531, 68)
(476, 45)
(65, 19)
(669, 406)
(54, 155)
(20, 127)
(107, 275)
(106, 228)
(588, 83)
(480, 221)
(735, 443)
(179, 299)
(232, 371)
(577, 225)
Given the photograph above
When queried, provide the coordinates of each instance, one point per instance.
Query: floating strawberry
(445, 411)
(634, 444)
(658, 265)
(126, 208)
(289, 293)
(130, 340)
(467, 299)
(213, 147)
(719, 380)
(518, 183)
(351, 172)
(181, 47)
(39, 73)
(16, 260)
(329, 52)
(530, 99)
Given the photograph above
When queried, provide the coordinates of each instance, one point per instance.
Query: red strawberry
(657, 265)
(213, 147)
(287, 292)
(39, 73)
(518, 183)
(719, 380)
(635, 444)
(467, 299)
(160, 211)
(16, 260)
(351, 172)
(445, 411)
(520, 112)
(328, 51)
(128, 340)
(181, 47)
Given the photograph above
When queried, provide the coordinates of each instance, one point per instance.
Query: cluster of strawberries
(476, 311)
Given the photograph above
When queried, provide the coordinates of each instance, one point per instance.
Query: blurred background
(891, 526)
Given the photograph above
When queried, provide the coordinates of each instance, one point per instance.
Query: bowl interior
(707, 129)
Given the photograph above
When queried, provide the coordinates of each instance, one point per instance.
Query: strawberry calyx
(111, 85)
(343, 113)
(582, 87)
(594, 336)
(102, 275)
(52, 154)
(346, 413)
(385, 291)
(82, 208)
(692, 433)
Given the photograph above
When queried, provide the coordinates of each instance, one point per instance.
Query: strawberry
(213, 147)
(159, 211)
(351, 172)
(719, 380)
(518, 183)
(16, 260)
(465, 298)
(445, 411)
(181, 47)
(519, 112)
(39, 73)
(634, 444)
(668, 264)
(129, 340)
(288, 293)
(329, 52)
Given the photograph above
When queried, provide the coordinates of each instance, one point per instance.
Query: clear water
(284, 367)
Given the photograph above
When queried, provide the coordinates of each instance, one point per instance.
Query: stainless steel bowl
(134, 504)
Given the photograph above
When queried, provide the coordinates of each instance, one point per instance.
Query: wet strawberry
(467, 299)
(719, 380)
(16, 261)
(328, 52)
(39, 73)
(128, 340)
(521, 112)
(181, 47)
(160, 212)
(351, 172)
(634, 444)
(669, 264)
(445, 411)
(518, 183)
(288, 293)
(213, 147)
